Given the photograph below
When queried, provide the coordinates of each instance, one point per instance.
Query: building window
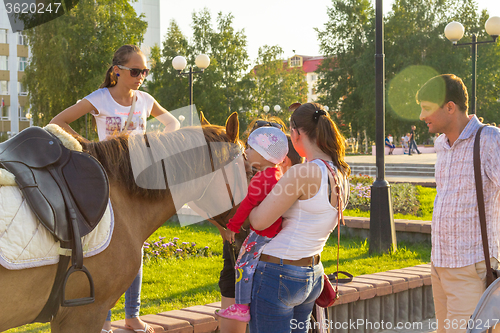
(3, 36)
(314, 77)
(4, 63)
(22, 113)
(23, 62)
(4, 87)
(296, 61)
(21, 89)
(5, 112)
(22, 39)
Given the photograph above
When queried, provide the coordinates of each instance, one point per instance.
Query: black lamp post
(382, 230)
(454, 31)
(179, 63)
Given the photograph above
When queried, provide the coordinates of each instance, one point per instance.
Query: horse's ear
(203, 120)
(233, 127)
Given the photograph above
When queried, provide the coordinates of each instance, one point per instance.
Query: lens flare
(403, 88)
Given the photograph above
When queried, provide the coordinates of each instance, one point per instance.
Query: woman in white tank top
(111, 106)
(288, 278)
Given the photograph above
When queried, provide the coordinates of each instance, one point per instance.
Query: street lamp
(454, 31)
(179, 63)
(266, 109)
(277, 108)
(382, 228)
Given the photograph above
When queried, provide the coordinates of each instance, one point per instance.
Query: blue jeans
(283, 297)
(413, 144)
(245, 266)
(132, 298)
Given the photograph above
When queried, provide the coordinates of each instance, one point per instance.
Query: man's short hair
(444, 88)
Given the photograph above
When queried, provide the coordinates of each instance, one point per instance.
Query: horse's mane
(187, 164)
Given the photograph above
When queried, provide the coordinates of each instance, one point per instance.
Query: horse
(138, 212)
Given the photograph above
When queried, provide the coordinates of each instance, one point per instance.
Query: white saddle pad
(26, 243)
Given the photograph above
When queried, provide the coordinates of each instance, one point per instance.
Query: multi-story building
(151, 9)
(14, 55)
(309, 65)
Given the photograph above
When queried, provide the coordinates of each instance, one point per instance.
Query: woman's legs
(283, 297)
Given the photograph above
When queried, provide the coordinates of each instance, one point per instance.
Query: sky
(287, 23)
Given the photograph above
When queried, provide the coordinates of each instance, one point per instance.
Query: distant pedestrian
(458, 269)
(388, 143)
(413, 144)
(405, 140)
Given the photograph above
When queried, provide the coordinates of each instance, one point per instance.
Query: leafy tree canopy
(415, 51)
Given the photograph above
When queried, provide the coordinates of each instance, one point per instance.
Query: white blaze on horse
(138, 212)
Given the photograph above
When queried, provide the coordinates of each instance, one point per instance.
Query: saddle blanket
(24, 241)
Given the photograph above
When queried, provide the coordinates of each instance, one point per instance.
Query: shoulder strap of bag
(480, 206)
(130, 114)
(340, 217)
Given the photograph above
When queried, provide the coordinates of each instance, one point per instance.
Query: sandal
(143, 330)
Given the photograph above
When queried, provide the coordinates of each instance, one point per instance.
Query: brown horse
(138, 213)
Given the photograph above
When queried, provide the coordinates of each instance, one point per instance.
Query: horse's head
(222, 196)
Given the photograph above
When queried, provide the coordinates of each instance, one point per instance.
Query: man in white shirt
(458, 270)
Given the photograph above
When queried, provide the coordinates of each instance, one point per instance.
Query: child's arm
(254, 197)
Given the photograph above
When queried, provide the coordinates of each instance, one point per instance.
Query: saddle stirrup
(76, 266)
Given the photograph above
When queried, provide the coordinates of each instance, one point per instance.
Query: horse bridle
(226, 180)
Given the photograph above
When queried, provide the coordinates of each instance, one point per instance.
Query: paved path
(399, 159)
(394, 159)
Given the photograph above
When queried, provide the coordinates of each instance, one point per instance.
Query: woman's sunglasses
(260, 123)
(135, 72)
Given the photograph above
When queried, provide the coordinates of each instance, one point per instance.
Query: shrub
(173, 249)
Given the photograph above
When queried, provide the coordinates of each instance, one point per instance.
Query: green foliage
(220, 90)
(415, 49)
(275, 83)
(71, 54)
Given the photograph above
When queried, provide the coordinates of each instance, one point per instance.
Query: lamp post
(382, 229)
(266, 109)
(179, 63)
(454, 31)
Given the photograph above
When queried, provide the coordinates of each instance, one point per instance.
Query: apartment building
(14, 55)
(309, 64)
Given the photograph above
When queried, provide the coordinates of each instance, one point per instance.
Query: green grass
(426, 197)
(178, 283)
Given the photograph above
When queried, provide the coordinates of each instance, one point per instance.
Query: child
(267, 147)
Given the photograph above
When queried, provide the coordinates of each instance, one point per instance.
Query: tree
(415, 49)
(217, 92)
(71, 54)
(275, 83)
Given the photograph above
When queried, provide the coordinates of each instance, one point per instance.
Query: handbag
(330, 294)
(491, 274)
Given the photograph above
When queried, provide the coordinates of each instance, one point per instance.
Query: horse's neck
(137, 215)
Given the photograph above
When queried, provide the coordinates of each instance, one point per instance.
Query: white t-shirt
(110, 116)
(307, 224)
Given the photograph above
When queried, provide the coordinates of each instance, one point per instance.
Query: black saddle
(67, 190)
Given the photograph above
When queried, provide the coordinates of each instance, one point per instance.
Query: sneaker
(239, 312)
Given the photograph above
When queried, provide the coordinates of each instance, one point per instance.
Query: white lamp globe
(179, 63)
(326, 108)
(202, 61)
(277, 108)
(492, 26)
(266, 109)
(454, 31)
(182, 118)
